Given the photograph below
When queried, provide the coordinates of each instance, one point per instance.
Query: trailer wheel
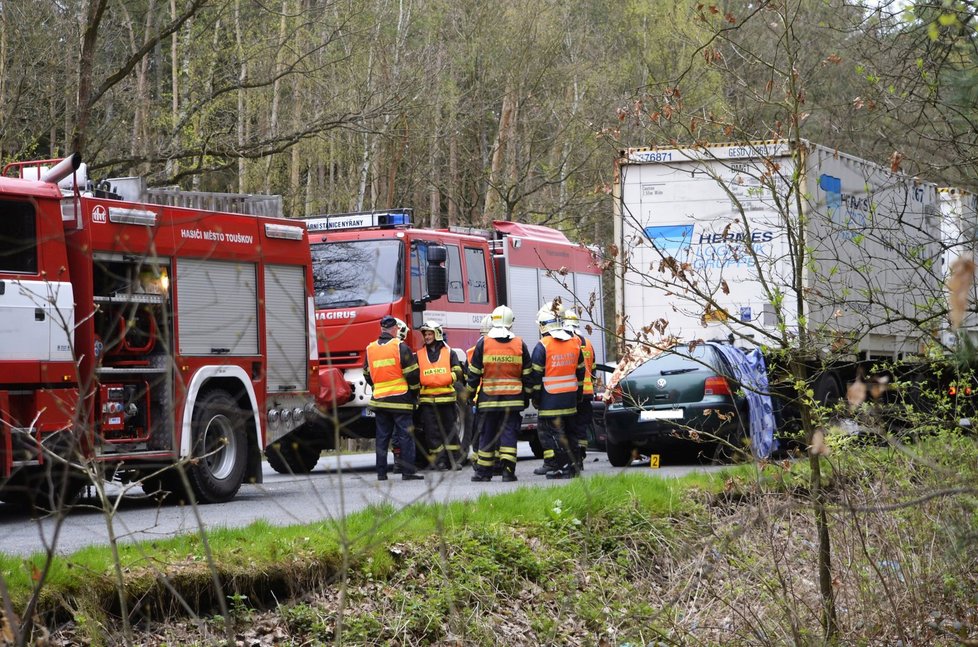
(619, 455)
(292, 456)
(219, 455)
(827, 390)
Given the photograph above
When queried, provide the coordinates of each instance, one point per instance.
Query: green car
(681, 396)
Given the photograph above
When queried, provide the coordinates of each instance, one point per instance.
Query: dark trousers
(578, 434)
(471, 430)
(441, 433)
(395, 425)
(500, 428)
(555, 432)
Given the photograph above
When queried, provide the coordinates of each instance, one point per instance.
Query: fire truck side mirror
(437, 274)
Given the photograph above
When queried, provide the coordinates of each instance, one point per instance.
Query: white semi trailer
(766, 239)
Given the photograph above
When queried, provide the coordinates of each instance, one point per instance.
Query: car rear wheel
(619, 455)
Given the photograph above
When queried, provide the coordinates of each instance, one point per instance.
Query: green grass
(271, 551)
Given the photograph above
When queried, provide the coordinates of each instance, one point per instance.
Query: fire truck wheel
(292, 456)
(220, 448)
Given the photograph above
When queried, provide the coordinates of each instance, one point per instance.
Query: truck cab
(370, 265)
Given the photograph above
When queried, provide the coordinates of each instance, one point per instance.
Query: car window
(678, 359)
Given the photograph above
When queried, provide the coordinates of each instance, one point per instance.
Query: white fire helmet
(434, 327)
(572, 321)
(548, 319)
(485, 325)
(502, 323)
(402, 329)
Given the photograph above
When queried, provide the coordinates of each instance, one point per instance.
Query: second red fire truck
(136, 336)
(372, 264)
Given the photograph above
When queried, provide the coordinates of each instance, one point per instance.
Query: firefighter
(470, 418)
(440, 371)
(499, 370)
(402, 334)
(582, 420)
(391, 369)
(557, 386)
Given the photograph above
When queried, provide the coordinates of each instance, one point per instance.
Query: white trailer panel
(710, 238)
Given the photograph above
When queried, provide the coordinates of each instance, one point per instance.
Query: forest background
(472, 111)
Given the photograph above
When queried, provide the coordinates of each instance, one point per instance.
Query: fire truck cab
(372, 264)
(137, 336)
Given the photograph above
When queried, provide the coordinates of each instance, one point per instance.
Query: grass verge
(723, 558)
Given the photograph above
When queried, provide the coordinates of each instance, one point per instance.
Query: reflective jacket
(500, 370)
(587, 349)
(392, 370)
(439, 371)
(557, 380)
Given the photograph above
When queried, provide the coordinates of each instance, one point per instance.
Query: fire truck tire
(220, 452)
(292, 456)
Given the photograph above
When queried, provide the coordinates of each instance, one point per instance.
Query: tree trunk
(172, 165)
(86, 65)
(496, 168)
(242, 102)
(454, 184)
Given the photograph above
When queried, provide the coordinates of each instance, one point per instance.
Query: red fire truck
(136, 336)
(368, 265)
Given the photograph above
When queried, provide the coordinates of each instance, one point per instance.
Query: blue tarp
(750, 370)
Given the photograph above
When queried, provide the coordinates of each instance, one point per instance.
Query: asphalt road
(338, 486)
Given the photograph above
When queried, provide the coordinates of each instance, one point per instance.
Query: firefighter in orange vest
(499, 370)
(470, 418)
(557, 386)
(440, 372)
(391, 369)
(583, 419)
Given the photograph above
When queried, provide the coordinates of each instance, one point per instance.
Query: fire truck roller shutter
(285, 327)
(217, 302)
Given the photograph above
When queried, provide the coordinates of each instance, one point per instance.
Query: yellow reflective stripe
(548, 453)
(551, 413)
(391, 387)
(560, 383)
(381, 404)
(441, 399)
(502, 386)
(501, 404)
(389, 361)
(436, 390)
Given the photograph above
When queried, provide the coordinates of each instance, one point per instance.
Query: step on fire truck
(136, 336)
(372, 264)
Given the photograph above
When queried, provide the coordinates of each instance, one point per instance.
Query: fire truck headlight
(273, 416)
(297, 415)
